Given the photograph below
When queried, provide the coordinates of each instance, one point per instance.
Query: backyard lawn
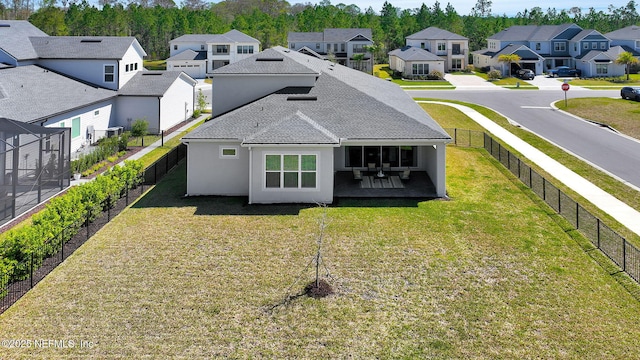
(486, 274)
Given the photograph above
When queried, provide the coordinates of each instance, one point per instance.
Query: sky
(498, 7)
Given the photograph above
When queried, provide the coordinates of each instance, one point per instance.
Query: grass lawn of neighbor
(622, 115)
(490, 273)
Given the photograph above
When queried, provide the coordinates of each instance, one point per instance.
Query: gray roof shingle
(536, 32)
(83, 47)
(189, 55)
(14, 38)
(412, 53)
(329, 35)
(344, 104)
(269, 61)
(628, 33)
(32, 93)
(150, 83)
(434, 33)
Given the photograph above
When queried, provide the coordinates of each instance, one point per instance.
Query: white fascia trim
(290, 145)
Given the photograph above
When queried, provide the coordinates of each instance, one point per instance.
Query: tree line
(155, 22)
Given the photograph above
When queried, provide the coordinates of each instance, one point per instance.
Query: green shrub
(469, 69)
(62, 217)
(494, 75)
(435, 75)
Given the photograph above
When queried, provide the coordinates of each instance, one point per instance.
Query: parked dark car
(525, 74)
(564, 71)
(630, 92)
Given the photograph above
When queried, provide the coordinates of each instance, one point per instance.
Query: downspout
(250, 174)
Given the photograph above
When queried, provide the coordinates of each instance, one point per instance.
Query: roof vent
(91, 40)
(5, 25)
(270, 59)
(302, 98)
(151, 73)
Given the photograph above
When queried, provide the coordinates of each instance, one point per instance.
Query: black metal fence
(613, 245)
(40, 263)
(162, 166)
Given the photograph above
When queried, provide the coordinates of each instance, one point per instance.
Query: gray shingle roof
(231, 36)
(150, 83)
(344, 103)
(412, 53)
(329, 35)
(14, 38)
(628, 33)
(588, 34)
(83, 47)
(189, 55)
(597, 55)
(32, 93)
(434, 33)
(269, 61)
(535, 32)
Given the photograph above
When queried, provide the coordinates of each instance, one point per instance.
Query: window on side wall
(75, 127)
(109, 73)
(228, 152)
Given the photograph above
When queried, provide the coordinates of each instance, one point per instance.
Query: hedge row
(62, 218)
(106, 147)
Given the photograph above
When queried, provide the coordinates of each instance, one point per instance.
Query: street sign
(565, 87)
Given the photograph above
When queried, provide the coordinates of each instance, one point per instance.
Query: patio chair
(386, 167)
(357, 174)
(371, 167)
(405, 175)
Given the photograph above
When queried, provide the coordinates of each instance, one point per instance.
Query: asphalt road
(603, 148)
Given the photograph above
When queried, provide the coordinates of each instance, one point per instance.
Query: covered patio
(418, 186)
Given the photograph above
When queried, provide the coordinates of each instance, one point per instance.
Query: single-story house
(304, 121)
(414, 62)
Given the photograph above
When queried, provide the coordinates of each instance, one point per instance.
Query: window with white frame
(420, 69)
(359, 48)
(442, 46)
(228, 152)
(602, 69)
(594, 45)
(222, 49)
(245, 49)
(201, 46)
(175, 47)
(291, 171)
(293, 46)
(538, 46)
(603, 46)
(559, 46)
(585, 46)
(109, 73)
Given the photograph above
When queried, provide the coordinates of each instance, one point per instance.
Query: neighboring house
(199, 54)
(628, 38)
(601, 63)
(89, 84)
(303, 121)
(345, 46)
(545, 47)
(451, 47)
(413, 62)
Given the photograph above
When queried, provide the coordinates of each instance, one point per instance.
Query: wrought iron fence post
(31, 272)
(544, 189)
(109, 207)
(598, 231)
(559, 202)
(577, 216)
(624, 255)
(86, 223)
(126, 195)
(62, 245)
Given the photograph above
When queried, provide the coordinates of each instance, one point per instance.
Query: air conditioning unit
(114, 131)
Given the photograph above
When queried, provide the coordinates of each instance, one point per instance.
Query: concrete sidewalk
(153, 146)
(617, 209)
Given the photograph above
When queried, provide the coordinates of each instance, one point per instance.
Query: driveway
(543, 82)
(471, 82)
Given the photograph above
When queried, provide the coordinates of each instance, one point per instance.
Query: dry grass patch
(488, 274)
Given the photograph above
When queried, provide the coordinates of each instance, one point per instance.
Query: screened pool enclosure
(35, 164)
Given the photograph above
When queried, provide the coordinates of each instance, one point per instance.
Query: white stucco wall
(87, 70)
(238, 90)
(323, 193)
(177, 104)
(434, 160)
(208, 173)
(97, 115)
(131, 108)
